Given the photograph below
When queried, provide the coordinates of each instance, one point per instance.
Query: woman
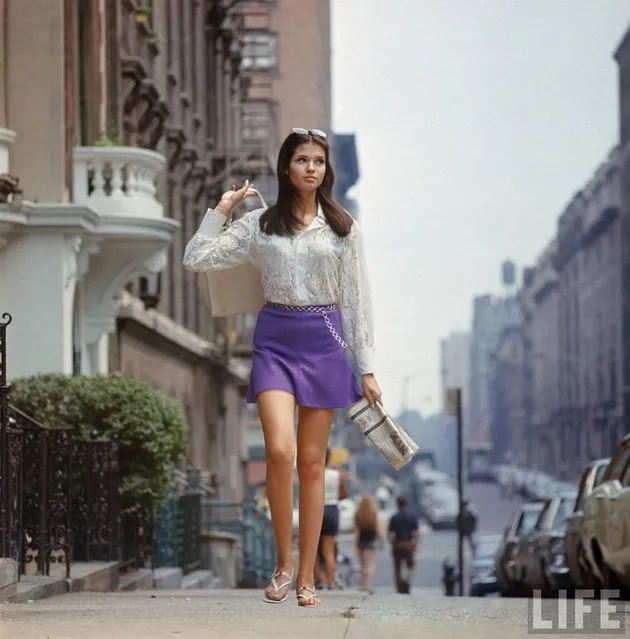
(366, 537)
(308, 250)
(335, 489)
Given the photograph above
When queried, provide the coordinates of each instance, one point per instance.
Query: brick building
(152, 110)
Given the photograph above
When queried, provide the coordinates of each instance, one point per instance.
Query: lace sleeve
(215, 248)
(356, 303)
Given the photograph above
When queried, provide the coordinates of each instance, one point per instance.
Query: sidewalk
(240, 614)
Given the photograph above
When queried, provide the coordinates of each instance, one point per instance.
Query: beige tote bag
(233, 291)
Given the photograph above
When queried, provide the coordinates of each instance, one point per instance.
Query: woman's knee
(311, 464)
(280, 456)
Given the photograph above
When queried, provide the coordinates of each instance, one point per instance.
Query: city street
(494, 513)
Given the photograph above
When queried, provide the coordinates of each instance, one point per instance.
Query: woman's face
(308, 167)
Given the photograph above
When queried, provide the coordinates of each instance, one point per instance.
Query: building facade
(573, 309)
(147, 122)
(622, 57)
(491, 315)
(455, 367)
(507, 387)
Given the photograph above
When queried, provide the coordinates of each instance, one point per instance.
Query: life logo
(584, 613)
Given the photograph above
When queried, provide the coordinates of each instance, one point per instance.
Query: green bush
(149, 426)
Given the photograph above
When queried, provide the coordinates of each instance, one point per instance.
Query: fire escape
(249, 151)
(251, 42)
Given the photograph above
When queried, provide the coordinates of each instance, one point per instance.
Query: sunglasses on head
(316, 133)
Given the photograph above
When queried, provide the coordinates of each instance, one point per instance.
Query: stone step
(167, 578)
(8, 579)
(201, 579)
(138, 580)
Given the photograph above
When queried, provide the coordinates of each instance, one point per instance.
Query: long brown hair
(279, 219)
(366, 516)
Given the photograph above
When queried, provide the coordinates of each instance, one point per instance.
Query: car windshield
(528, 521)
(487, 547)
(599, 473)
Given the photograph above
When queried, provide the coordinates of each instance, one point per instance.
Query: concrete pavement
(231, 614)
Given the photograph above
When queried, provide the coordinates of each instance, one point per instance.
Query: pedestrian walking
(367, 536)
(335, 489)
(468, 524)
(309, 253)
(404, 535)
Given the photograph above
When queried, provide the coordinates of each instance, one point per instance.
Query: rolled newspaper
(383, 432)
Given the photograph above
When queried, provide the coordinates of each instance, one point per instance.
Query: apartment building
(574, 302)
(455, 368)
(622, 57)
(491, 316)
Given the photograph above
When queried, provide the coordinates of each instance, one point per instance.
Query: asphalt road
(494, 514)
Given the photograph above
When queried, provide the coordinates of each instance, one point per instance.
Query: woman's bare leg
(277, 415)
(370, 565)
(312, 441)
(330, 561)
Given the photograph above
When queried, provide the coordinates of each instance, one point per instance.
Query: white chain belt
(323, 310)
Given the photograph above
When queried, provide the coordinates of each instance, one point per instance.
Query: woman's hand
(371, 390)
(231, 199)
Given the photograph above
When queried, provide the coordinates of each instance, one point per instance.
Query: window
(259, 124)
(625, 477)
(259, 51)
(617, 463)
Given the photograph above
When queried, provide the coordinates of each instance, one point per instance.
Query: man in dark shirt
(404, 536)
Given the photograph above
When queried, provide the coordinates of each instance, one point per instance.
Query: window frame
(272, 38)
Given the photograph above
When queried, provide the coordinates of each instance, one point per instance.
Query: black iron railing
(178, 525)
(95, 500)
(137, 544)
(10, 463)
(59, 500)
(59, 495)
(46, 493)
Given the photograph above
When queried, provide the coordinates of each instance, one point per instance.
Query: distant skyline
(476, 122)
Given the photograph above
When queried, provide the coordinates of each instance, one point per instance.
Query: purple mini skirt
(294, 350)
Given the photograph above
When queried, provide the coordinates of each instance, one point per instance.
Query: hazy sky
(476, 121)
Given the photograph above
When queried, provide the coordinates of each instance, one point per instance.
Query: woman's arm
(212, 247)
(356, 302)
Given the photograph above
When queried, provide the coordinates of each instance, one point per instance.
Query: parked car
(580, 573)
(442, 507)
(605, 535)
(539, 555)
(523, 521)
(483, 578)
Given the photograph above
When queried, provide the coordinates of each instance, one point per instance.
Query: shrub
(149, 426)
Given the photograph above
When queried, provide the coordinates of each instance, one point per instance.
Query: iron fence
(254, 529)
(137, 543)
(46, 494)
(11, 442)
(59, 495)
(178, 526)
(95, 500)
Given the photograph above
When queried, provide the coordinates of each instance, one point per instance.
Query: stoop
(8, 579)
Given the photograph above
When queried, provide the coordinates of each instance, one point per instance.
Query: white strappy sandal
(306, 599)
(277, 588)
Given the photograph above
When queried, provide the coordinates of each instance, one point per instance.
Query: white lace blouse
(313, 267)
